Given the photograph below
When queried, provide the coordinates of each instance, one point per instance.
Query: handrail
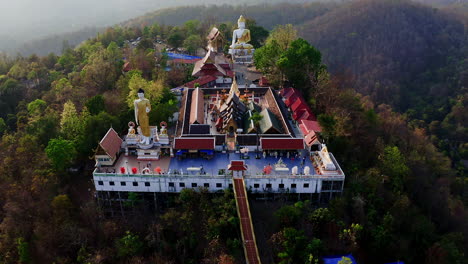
(247, 176)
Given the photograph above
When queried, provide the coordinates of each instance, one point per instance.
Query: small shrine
(145, 141)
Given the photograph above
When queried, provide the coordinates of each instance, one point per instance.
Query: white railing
(208, 175)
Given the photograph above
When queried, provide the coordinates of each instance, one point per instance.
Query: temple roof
(211, 62)
(234, 88)
(214, 33)
(194, 143)
(111, 143)
(197, 113)
(201, 81)
(311, 139)
(309, 125)
(282, 143)
(249, 126)
(269, 124)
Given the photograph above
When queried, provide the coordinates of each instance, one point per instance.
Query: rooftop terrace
(217, 166)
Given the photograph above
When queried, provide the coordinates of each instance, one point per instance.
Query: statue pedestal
(132, 140)
(242, 56)
(148, 154)
(163, 139)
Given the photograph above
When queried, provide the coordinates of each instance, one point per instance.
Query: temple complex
(229, 134)
(273, 133)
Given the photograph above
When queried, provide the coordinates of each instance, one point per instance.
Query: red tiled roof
(289, 101)
(299, 104)
(264, 81)
(194, 143)
(299, 113)
(311, 138)
(237, 165)
(307, 115)
(310, 125)
(111, 143)
(126, 67)
(303, 129)
(287, 92)
(202, 81)
(282, 143)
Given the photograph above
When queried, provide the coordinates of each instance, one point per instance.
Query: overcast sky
(53, 16)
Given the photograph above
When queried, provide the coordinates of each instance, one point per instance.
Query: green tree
(293, 246)
(258, 33)
(256, 117)
(100, 72)
(175, 39)
(266, 58)
(95, 104)
(145, 44)
(393, 166)
(301, 53)
(36, 108)
(283, 35)
(3, 126)
(129, 245)
(23, 250)
(70, 123)
(95, 127)
(153, 89)
(61, 153)
(192, 43)
(192, 27)
(288, 215)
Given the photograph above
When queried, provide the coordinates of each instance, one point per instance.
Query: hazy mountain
(24, 20)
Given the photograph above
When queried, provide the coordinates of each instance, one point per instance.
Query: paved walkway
(243, 210)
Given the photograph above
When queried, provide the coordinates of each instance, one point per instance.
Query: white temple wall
(177, 183)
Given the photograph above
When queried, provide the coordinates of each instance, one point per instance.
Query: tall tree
(256, 117)
(301, 53)
(61, 153)
(284, 35)
(70, 123)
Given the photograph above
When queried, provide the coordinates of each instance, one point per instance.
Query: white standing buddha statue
(142, 108)
(241, 36)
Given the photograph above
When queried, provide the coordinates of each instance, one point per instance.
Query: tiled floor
(210, 167)
(221, 161)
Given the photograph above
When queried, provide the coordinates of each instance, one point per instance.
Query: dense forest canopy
(388, 86)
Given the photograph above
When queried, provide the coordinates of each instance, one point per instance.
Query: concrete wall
(173, 184)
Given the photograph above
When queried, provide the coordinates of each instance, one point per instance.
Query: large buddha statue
(241, 36)
(142, 108)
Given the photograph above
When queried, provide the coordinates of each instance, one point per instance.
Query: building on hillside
(217, 138)
(108, 149)
(213, 70)
(199, 153)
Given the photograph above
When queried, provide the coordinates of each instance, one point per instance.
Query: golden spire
(234, 87)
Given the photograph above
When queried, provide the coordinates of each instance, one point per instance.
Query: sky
(43, 17)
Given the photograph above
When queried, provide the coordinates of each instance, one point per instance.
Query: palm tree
(256, 117)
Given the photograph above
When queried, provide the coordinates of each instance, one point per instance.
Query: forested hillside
(404, 54)
(266, 15)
